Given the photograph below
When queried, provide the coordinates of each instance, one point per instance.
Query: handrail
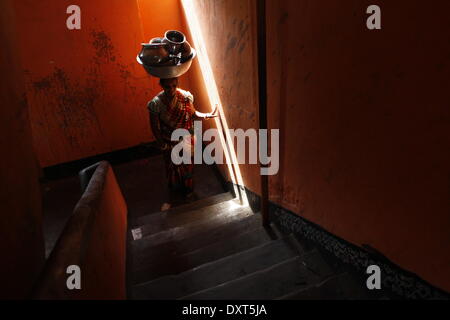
(96, 228)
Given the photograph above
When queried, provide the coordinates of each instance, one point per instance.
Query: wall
(363, 117)
(364, 124)
(22, 244)
(87, 94)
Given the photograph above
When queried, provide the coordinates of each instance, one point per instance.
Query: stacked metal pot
(167, 57)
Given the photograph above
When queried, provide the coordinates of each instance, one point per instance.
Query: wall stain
(21, 112)
(103, 45)
(241, 26)
(329, 176)
(42, 84)
(242, 47)
(231, 43)
(71, 104)
(283, 18)
(308, 75)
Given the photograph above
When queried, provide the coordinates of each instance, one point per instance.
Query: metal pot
(169, 71)
(156, 40)
(154, 53)
(174, 41)
(186, 51)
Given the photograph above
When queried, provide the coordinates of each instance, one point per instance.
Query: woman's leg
(179, 179)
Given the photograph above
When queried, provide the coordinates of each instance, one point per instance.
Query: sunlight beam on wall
(213, 95)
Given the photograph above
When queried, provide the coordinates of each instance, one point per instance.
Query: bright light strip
(213, 93)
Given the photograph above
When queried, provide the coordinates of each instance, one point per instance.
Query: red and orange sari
(175, 114)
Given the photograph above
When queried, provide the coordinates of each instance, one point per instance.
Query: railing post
(262, 90)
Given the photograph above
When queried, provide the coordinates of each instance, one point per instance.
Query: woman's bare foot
(191, 197)
(166, 206)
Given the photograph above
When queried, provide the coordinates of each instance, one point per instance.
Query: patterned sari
(175, 114)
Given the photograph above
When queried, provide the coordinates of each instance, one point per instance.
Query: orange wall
(363, 117)
(364, 124)
(22, 243)
(85, 89)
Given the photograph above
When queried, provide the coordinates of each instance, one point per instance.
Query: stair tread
(314, 261)
(216, 272)
(181, 240)
(338, 287)
(272, 282)
(173, 257)
(178, 226)
(152, 217)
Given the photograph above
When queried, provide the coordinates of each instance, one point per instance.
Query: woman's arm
(199, 115)
(154, 124)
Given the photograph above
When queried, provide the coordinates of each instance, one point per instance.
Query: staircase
(216, 249)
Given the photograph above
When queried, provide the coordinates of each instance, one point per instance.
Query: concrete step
(156, 216)
(270, 283)
(338, 287)
(314, 262)
(198, 234)
(216, 272)
(168, 225)
(149, 262)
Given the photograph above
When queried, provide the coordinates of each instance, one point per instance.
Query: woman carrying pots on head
(169, 110)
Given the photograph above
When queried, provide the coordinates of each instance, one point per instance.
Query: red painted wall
(84, 87)
(364, 124)
(22, 243)
(363, 117)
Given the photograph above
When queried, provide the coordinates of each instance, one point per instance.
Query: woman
(172, 109)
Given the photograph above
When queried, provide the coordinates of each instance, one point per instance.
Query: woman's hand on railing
(212, 114)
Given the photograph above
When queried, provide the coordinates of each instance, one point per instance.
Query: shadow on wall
(22, 243)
